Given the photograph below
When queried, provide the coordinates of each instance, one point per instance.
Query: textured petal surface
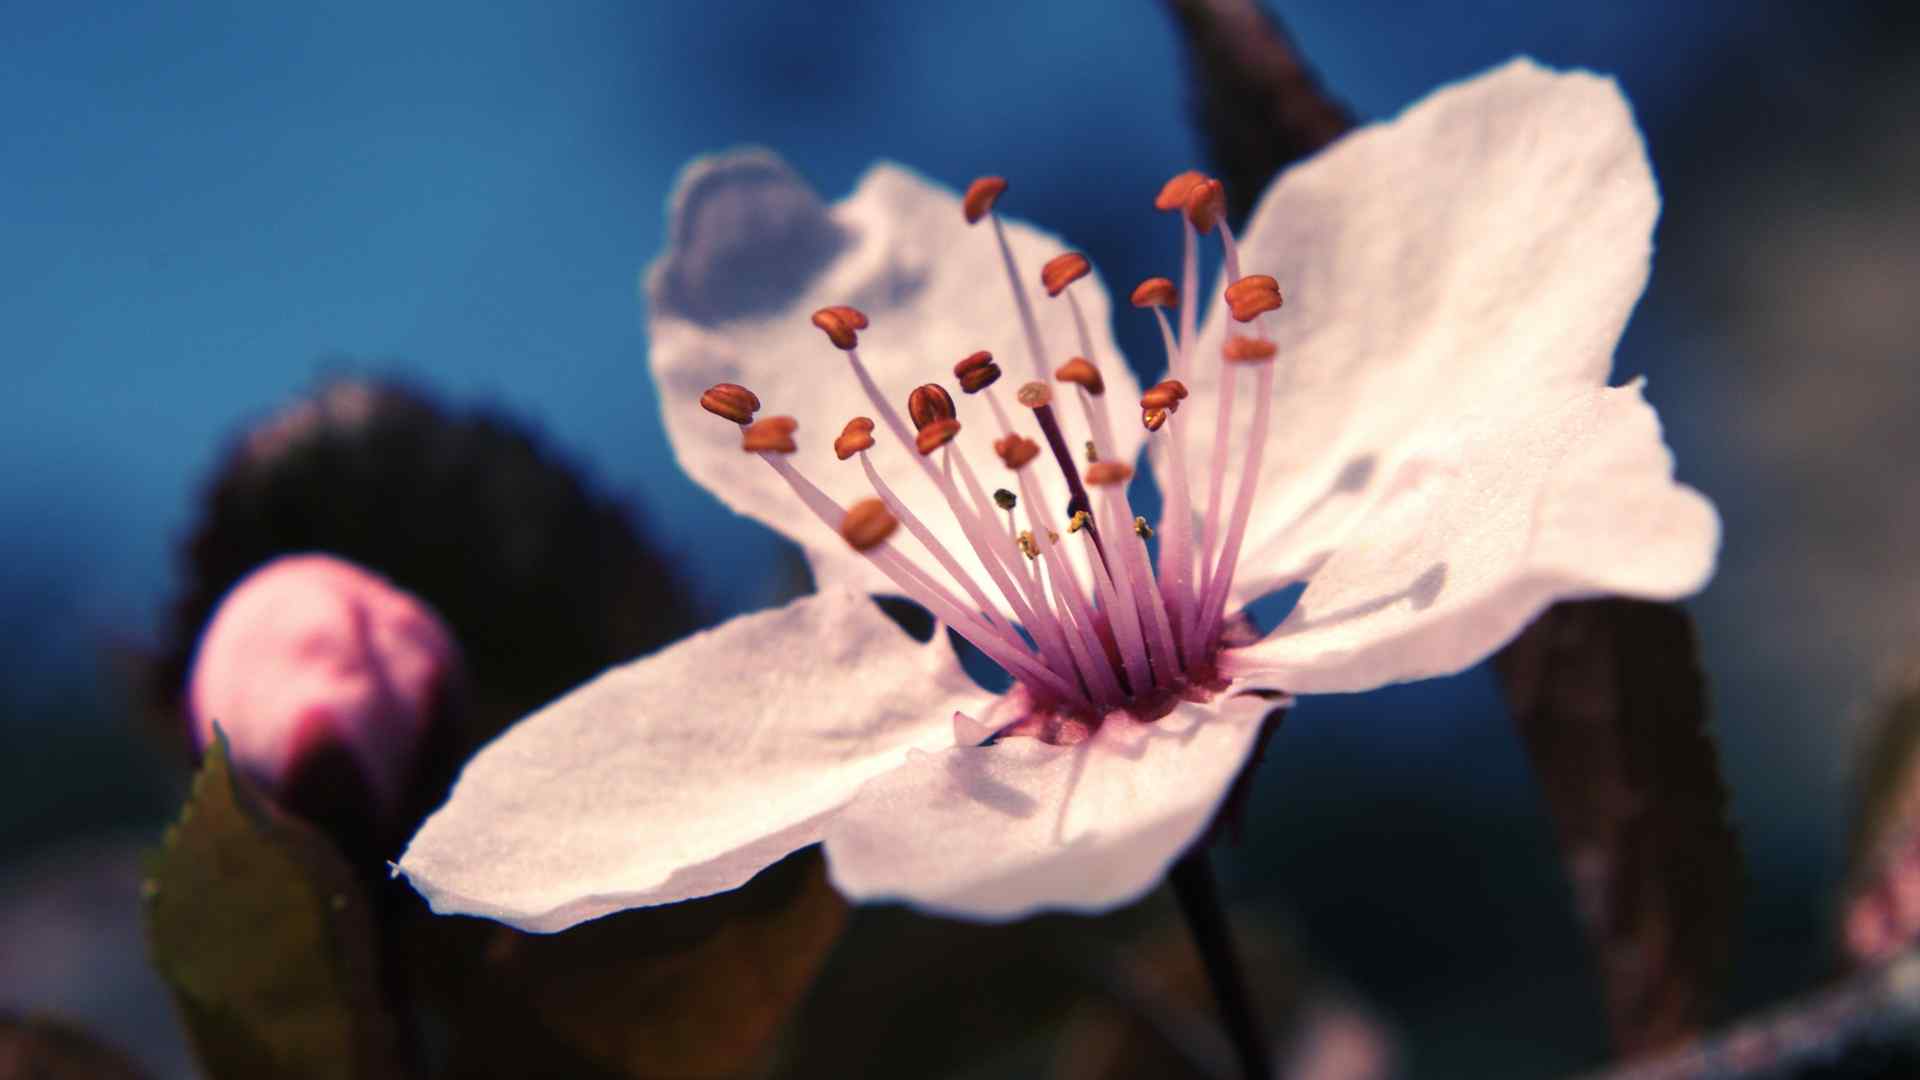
(1482, 251)
(753, 252)
(685, 773)
(1002, 831)
(1491, 526)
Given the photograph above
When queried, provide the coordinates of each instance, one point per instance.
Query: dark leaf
(1609, 700)
(266, 939)
(41, 1049)
(697, 989)
(1258, 105)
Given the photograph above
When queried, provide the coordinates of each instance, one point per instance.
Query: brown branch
(1259, 106)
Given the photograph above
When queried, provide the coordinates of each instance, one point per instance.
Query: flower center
(1140, 629)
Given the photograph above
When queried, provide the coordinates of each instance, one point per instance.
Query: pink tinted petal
(1514, 513)
(999, 832)
(753, 252)
(1484, 248)
(311, 651)
(685, 773)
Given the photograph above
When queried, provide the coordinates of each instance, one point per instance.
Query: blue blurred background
(207, 206)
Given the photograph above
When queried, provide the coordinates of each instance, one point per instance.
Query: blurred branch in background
(1609, 699)
(1257, 104)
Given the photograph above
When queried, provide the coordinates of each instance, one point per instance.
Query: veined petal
(753, 252)
(1493, 526)
(683, 774)
(1487, 245)
(999, 832)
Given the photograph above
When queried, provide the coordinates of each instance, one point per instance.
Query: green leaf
(266, 938)
(1610, 702)
(696, 989)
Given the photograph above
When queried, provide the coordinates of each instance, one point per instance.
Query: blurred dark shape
(1880, 909)
(1256, 103)
(1610, 702)
(543, 581)
(697, 989)
(267, 939)
(1867, 1027)
(41, 1048)
(1155, 1015)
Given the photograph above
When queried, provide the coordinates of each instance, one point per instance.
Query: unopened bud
(311, 663)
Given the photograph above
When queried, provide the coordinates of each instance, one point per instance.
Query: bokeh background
(206, 207)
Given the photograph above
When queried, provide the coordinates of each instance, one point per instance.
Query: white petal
(1508, 517)
(753, 252)
(685, 773)
(999, 832)
(1488, 244)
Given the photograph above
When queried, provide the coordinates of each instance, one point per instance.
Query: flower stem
(1193, 885)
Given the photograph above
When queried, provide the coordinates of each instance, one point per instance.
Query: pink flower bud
(309, 656)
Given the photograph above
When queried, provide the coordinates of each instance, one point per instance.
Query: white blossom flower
(1423, 434)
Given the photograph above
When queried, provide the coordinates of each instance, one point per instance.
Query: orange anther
(868, 524)
(1102, 473)
(980, 197)
(929, 404)
(1156, 292)
(977, 372)
(1063, 270)
(730, 401)
(855, 437)
(840, 322)
(1080, 370)
(1173, 194)
(1205, 203)
(1167, 394)
(1153, 419)
(1034, 394)
(1015, 450)
(1251, 295)
(1243, 350)
(936, 435)
(775, 433)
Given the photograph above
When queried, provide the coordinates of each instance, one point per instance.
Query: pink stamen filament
(1216, 480)
(1091, 654)
(1027, 321)
(1126, 631)
(923, 590)
(1189, 295)
(1216, 600)
(1145, 596)
(1097, 420)
(937, 549)
(1029, 601)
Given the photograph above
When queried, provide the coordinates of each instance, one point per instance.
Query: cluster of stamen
(1140, 630)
